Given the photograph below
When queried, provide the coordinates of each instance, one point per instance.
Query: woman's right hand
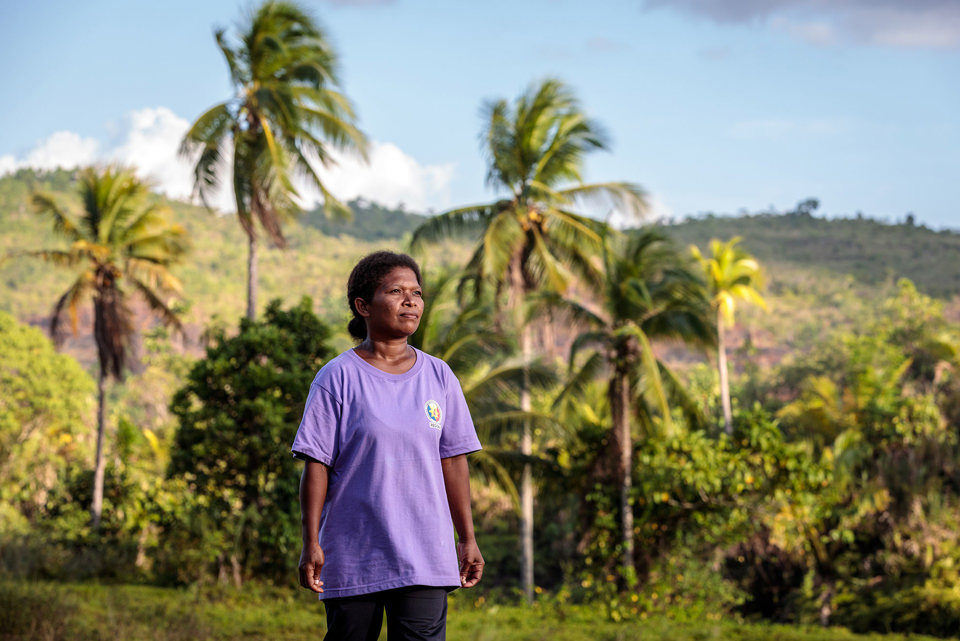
(311, 563)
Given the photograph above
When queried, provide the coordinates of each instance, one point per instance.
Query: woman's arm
(313, 493)
(456, 480)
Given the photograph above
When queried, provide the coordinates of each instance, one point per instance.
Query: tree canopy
(239, 411)
(46, 420)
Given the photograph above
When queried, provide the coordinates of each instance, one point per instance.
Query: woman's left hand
(471, 563)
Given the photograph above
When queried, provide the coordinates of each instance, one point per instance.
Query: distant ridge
(871, 251)
(371, 221)
(798, 251)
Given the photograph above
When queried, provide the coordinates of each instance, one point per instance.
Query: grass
(90, 611)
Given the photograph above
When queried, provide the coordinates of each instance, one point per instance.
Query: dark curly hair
(367, 276)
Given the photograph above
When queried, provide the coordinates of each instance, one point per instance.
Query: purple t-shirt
(386, 523)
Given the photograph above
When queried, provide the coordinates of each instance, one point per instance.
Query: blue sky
(711, 105)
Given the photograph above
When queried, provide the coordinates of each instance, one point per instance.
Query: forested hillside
(315, 264)
(873, 252)
(820, 273)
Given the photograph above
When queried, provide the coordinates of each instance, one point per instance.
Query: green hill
(370, 222)
(872, 252)
(821, 273)
(214, 276)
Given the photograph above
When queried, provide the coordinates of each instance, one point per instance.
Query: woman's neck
(392, 356)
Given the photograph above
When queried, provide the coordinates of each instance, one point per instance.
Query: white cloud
(148, 139)
(659, 210)
(391, 177)
(8, 164)
(61, 149)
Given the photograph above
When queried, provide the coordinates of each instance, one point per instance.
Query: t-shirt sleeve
(459, 436)
(317, 436)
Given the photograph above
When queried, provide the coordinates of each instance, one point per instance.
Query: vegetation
(533, 239)
(871, 251)
(286, 112)
(120, 240)
(758, 525)
(650, 294)
(368, 221)
(731, 274)
(88, 612)
(815, 482)
(231, 451)
(45, 412)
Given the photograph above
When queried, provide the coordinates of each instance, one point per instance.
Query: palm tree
(649, 294)
(484, 361)
(732, 274)
(284, 116)
(121, 243)
(534, 238)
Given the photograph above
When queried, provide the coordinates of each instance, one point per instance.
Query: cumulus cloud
(62, 149)
(897, 23)
(391, 177)
(148, 139)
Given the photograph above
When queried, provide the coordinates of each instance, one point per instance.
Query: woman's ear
(361, 306)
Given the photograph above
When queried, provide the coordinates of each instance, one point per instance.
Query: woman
(385, 434)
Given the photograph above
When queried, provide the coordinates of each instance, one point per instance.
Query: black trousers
(413, 614)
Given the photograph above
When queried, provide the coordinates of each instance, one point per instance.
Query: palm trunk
(516, 293)
(724, 379)
(96, 506)
(252, 276)
(526, 480)
(619, 407)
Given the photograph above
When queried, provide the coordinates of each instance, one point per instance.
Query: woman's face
(396, 307)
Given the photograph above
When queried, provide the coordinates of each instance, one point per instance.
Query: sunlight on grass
(78, 612)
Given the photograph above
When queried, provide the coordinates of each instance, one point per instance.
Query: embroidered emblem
(432, 408)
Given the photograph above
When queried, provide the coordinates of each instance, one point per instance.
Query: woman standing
(385, 434)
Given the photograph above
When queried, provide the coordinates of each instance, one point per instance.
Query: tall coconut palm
(284, 117)
(732, 274)
(485, 362)
(535, 237)
(649, 294)
(121, 244)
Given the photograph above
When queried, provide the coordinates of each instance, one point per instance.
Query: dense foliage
(46, 422)
(238, 411)
(537, 237)
(120, 245)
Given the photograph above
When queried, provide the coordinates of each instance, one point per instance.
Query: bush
(239, 412)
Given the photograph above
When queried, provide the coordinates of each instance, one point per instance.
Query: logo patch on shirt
(432, 408)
